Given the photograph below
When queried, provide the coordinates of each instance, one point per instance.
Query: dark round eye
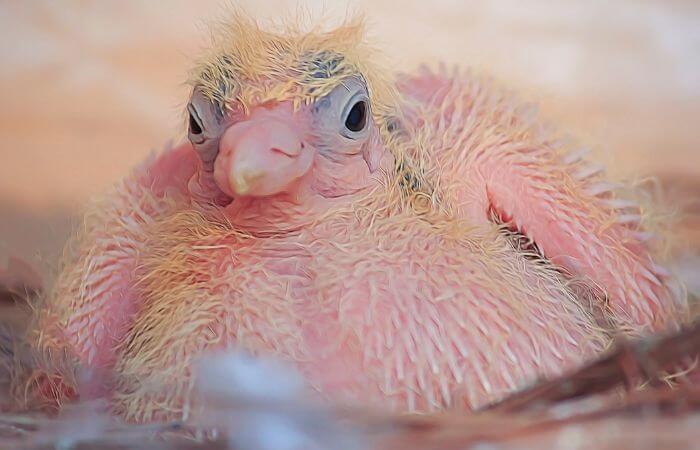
(357, 117)
(195, 127)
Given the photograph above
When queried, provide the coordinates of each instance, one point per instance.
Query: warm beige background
(89, 87)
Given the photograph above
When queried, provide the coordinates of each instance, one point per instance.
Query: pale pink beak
(263, 155)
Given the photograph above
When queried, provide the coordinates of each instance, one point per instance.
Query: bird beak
(262, 155)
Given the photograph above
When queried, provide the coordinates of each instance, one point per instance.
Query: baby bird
(416, 244)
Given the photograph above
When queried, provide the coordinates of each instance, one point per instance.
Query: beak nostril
(281, 152)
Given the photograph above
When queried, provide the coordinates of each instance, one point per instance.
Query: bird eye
(356, 119)
(205, 125)
(195, 122)
(346, 110)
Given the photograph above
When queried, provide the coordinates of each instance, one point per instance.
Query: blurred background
(91, 87)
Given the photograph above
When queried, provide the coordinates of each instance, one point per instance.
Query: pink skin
(264, 150)
(94, 330)
(268, 162)
(568, 210)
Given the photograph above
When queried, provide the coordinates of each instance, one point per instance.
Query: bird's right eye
(196, 127)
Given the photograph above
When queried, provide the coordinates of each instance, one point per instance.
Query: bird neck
(278, 214)
(328, 185)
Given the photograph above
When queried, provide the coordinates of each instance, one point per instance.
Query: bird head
(271, 110)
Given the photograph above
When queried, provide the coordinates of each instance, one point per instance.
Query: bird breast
(397, 313)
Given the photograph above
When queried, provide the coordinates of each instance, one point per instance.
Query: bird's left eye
(346, 110)
(356, 119)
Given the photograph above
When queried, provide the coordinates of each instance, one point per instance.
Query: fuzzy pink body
(415, 310)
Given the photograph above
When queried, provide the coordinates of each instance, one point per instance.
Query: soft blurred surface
(90, 87)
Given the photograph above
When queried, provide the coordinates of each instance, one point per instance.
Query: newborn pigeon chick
(371, 233)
